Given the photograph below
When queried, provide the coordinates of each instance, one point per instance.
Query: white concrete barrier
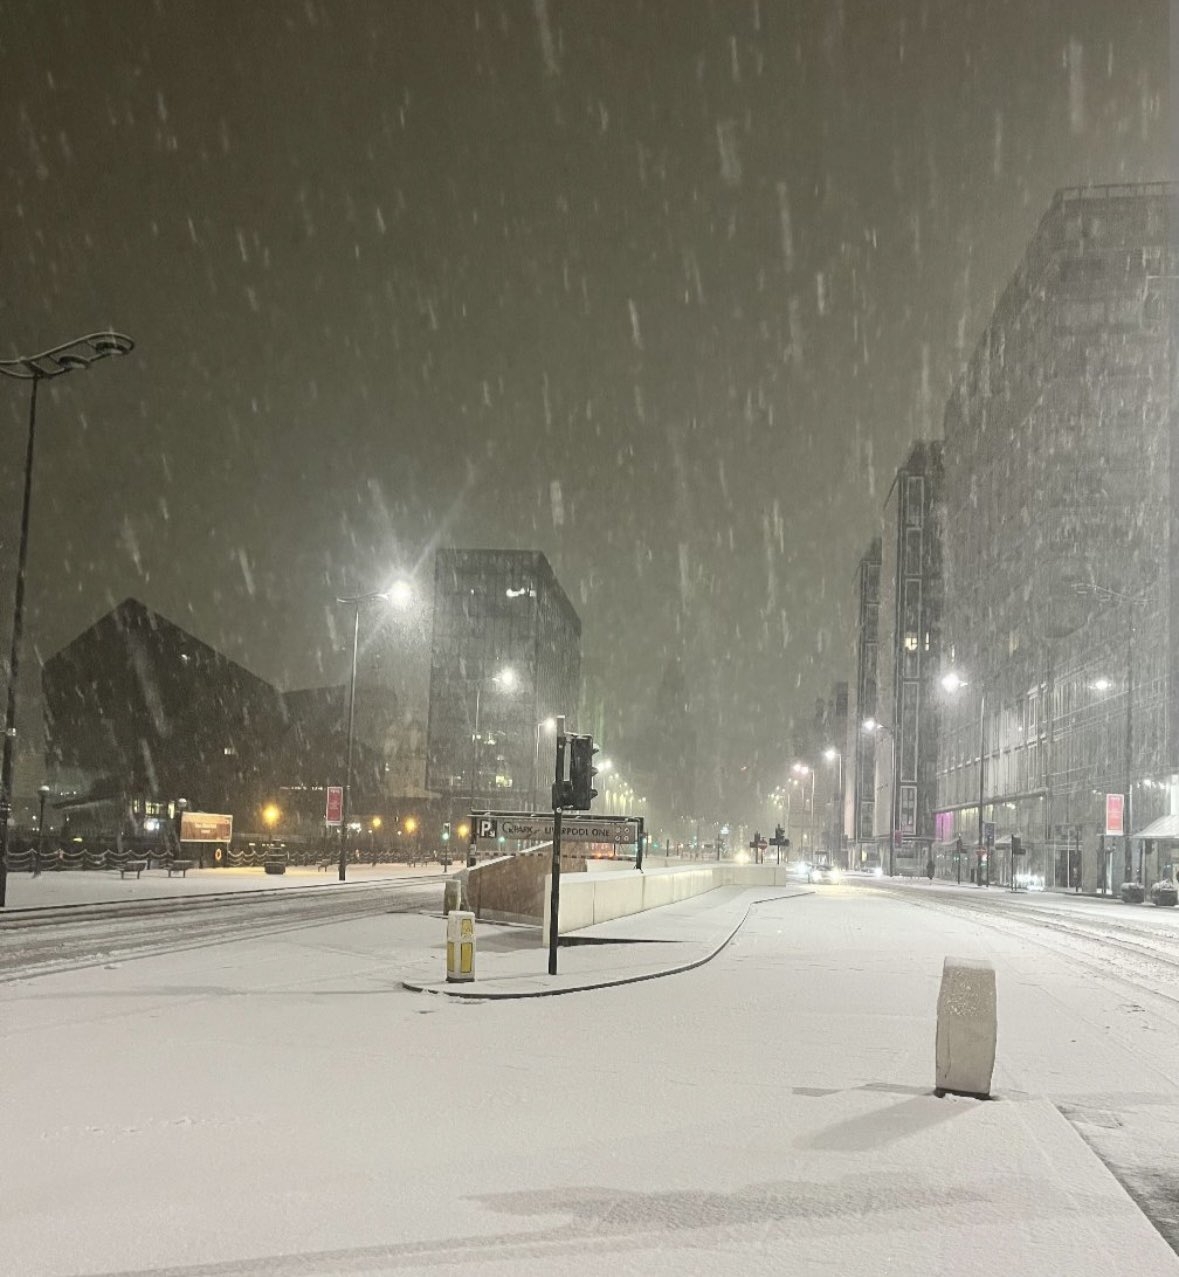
(967, 1028)
(590, 898)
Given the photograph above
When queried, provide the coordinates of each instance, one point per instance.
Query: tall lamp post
(71, 357)
(42, 794)
(400, 594)
(871, 725)
(804, 770)
(1105, 595)
(506, 678)
(952, 683)
(834, 755)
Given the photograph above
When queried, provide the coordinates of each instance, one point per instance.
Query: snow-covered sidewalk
(512, 963)
(282, 1107)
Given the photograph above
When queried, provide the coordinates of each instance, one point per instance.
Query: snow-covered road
(280, 1106)
(82, 936)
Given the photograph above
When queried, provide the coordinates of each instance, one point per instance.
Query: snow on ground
(280, 1106)
(74, 887)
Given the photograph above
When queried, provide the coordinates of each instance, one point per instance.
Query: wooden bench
(180, 867)
(132, 866)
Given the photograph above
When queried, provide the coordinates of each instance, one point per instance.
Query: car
(824, 873)
(1165, 892)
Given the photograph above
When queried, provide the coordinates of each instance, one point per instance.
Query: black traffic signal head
(582, 772)
(779, 835)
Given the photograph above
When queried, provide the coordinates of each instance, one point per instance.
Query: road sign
(762, 844)
(334, 811)
(1115, 814)
(617, 830)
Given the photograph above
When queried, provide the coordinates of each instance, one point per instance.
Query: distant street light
(1131, 601)
(506, 678)
(872, 727)
(270, 817)
(953, 683)
(42, 793)
(400, 594)
(804, 769)
(71, 357)
(834, 755)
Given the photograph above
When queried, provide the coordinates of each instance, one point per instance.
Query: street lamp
(270, 815)
(71, 357)
(1105, 595)
(834, 755)
(953, 683)
(400, 593)
(872, 727)
(42, 793)
(804, 770)
(507, 679)
(548, 725)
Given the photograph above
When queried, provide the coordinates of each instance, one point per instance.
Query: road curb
(467, 994)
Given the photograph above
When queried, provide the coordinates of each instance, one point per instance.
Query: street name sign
(619, 831)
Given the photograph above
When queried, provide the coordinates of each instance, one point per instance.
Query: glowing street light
(400, 593)
(270, 818)
(953, 682)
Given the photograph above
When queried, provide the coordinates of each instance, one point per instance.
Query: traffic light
(1016, 845)
(446, 832)
(582, 772)
(779, 836)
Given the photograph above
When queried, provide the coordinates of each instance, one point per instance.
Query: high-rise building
(505, 656)
(1061, 545)
(860, 748)
(909, 662)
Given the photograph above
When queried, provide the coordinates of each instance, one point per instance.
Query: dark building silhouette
(140, 713)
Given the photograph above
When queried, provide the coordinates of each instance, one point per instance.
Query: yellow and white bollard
(460, 945)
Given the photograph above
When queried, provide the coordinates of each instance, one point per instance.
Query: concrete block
(967, 1028)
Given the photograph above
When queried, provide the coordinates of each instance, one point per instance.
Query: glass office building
(505, 658)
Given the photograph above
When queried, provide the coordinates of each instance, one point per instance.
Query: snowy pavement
(512, 963)
(100, 886)
(281, 1106)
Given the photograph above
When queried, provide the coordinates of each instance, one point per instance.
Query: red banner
(1115, 814)
(334, 812)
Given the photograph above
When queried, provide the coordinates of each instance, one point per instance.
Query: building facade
(909, 662)
(1060, 547)
(860, 748)
(505, 657)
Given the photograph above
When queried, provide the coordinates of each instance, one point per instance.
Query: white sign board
(573, 829)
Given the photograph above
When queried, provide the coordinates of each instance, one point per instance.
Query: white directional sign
(573, 828)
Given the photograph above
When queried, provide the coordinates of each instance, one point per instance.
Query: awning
(1164, 827)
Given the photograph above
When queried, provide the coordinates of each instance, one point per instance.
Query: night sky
(663, 289)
